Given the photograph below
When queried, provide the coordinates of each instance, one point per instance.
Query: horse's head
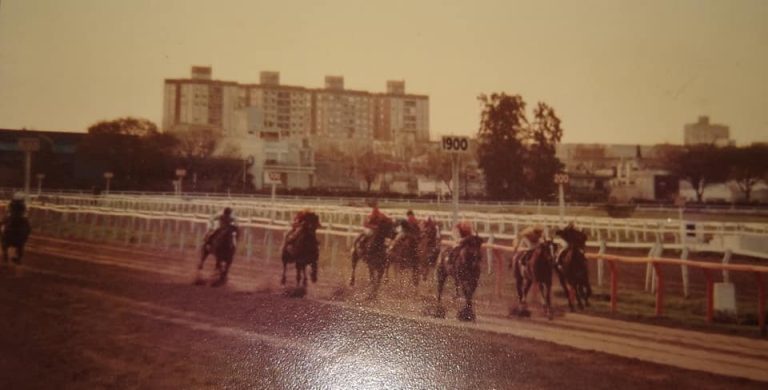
(574, 237)
(472, 248)
(549, 246)
(386, 228)
(311, 221)
(429, 228)
(17, 207)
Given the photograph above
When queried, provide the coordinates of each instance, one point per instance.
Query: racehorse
(462, 264)
(402, 251)
(222, 245)
(428, 248)
(373, 250)
(571, 266)
(15, 230)
(302, 248)
(535, 266)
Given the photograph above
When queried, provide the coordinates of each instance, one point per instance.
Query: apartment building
(200, 102)
(704, 132)
(332, 115)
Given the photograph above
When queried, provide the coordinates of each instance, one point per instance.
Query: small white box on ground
(725, 298)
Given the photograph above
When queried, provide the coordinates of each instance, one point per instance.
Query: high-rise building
(200, 102)
(704, 132)
(331, 115)
(400, 116)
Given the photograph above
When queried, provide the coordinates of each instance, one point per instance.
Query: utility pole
(561, 179)
(455, 145)
(28, 145)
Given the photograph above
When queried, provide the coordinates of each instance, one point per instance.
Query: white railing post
(248, 244)
(684, 271)
(600, 263)
(269, 246)
(489, 253)
(726, 260)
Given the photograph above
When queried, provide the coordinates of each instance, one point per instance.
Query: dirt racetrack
(95, 316)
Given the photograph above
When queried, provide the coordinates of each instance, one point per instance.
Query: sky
(615, 71)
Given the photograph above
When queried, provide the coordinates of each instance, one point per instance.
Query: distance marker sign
(455, 144)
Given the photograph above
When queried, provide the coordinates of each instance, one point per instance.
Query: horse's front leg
(518, 285)
(544, 290)
(285, 265)
(568, 291)
(442, 276)
(354, 266)
(19, 253)
(226, 265)
(203, 255)
(526, 287)
(299, 272)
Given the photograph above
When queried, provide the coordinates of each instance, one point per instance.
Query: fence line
(160, 229)
(630, 234)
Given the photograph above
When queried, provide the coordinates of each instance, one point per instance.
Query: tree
(439, 166)
(369, 166)
(132, 148)
(518, 158)
(700, 165)
(198, 143)
(500, 151)
(541, 163)
(748, 165)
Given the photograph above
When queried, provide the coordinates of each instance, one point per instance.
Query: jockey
(412, 223)
(17, 206)
(529, 239)
(298, 221)
(220, 222)
(374, 219)
(463, 231)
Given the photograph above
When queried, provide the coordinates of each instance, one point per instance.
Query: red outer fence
(657, 262)
(706, 267)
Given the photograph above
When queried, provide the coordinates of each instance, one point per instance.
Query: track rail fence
(265, 228)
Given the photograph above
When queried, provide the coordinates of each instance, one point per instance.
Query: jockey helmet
(227, 211)
(18, 196)
(464, 228)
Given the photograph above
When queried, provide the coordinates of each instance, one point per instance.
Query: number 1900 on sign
(455, 144)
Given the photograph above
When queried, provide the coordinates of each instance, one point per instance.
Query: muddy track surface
(95, 316)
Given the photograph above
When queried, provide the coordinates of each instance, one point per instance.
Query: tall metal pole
(274, 197)
(455, 185)
(27, 172)
(245, 167)
(106, 190)
(561, 194)
(39, 185)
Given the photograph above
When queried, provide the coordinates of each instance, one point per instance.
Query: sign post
(561, 179)
(180, 173)
(273, 178)
(40, 178)
(28, 145)
(108, 177)
(455, 145)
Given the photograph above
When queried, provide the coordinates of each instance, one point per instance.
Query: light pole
(40, 178)
(180, 173)
(560, 180)
(108, 177)
(28, 145)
